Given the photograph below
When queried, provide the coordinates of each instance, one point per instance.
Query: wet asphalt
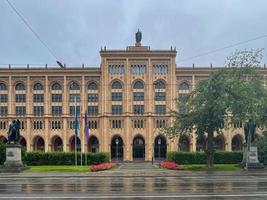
(184, 185)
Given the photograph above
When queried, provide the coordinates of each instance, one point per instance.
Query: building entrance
(116, 148)
(139, 148)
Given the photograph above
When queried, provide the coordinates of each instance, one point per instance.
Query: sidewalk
(135, 170)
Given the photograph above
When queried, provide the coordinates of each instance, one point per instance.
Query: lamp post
(117, 144)
(159, 143)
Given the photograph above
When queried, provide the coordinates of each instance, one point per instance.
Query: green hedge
(55, 158)
(62, 158)
(200, 157)
(2, 153)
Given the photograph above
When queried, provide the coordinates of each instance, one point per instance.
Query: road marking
(137, 196)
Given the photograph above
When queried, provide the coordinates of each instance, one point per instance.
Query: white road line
(137, 196)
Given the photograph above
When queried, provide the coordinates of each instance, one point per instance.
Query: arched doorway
(116, 148)
(237, 143)
(3, 139)
(184, 143)
(23, 142)
(138, 148)
(219, 143)
(201, 143)
(38, 144)
(57, 144)
(160, 147)
(93, 144)
(72, 144)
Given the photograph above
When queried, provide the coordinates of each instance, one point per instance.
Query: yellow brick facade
(136, 129)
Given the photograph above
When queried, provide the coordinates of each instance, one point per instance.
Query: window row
(38, 125)
(157, 69)
(116, 123)
(55, 86)
(3, 125)
(138, 69)
(138, 123)
(92, 110)
(116, 69)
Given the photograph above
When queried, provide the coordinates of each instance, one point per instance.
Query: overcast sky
(75, 30)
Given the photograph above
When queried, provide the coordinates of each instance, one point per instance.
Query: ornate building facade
(127, 99)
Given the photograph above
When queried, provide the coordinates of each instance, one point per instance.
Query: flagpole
(75, 131)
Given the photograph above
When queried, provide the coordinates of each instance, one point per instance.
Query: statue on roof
(138, 36)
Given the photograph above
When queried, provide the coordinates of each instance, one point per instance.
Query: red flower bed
(102, 166)
(170, 165)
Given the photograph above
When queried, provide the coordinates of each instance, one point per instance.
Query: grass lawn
(203, 167)
(58, 168)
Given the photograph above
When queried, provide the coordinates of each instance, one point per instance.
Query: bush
(261, 142)
(63, 158)
(102, 166)
(2, 153)
(200, 157)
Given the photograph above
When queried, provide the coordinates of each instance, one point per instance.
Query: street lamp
(159, 143)
(117, 143)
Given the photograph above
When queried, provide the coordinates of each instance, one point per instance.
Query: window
(92, 110)
(160, 123)
(92, 86)
(116, 96)
(20, 98)
(56, 97)
(116, 124)
(116, 85)
(38, 86)
(116, 109)
(73, 96)
(183, 96)
(138, 123)
(138, 109)
(92, 124)
(93, 97)
(3, 86)
(72, 110)
(3, 98)
(138, 69)
(56, 125)
(3, 110)
(138, 96)
(56, 86)
(71, 124)
(116, 69)
(160, 85)
(3, 125)
(20, 110)
(37, 125)
(138, 85)
(74, 86)
(184, 86)
(160, 96)
(38, 97)
(38, 110)
(157, 69)
(160, 109)
(56, 110)
(22, 124)
(20, 86)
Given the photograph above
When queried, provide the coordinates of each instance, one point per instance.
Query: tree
(232, 93)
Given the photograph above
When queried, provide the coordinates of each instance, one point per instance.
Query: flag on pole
(76, 125)
(86, 130)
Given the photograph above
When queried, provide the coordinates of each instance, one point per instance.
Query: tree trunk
(210, 151)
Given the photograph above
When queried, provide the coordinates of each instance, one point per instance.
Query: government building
(127, 98)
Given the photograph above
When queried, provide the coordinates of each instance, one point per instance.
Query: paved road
(199, 186)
